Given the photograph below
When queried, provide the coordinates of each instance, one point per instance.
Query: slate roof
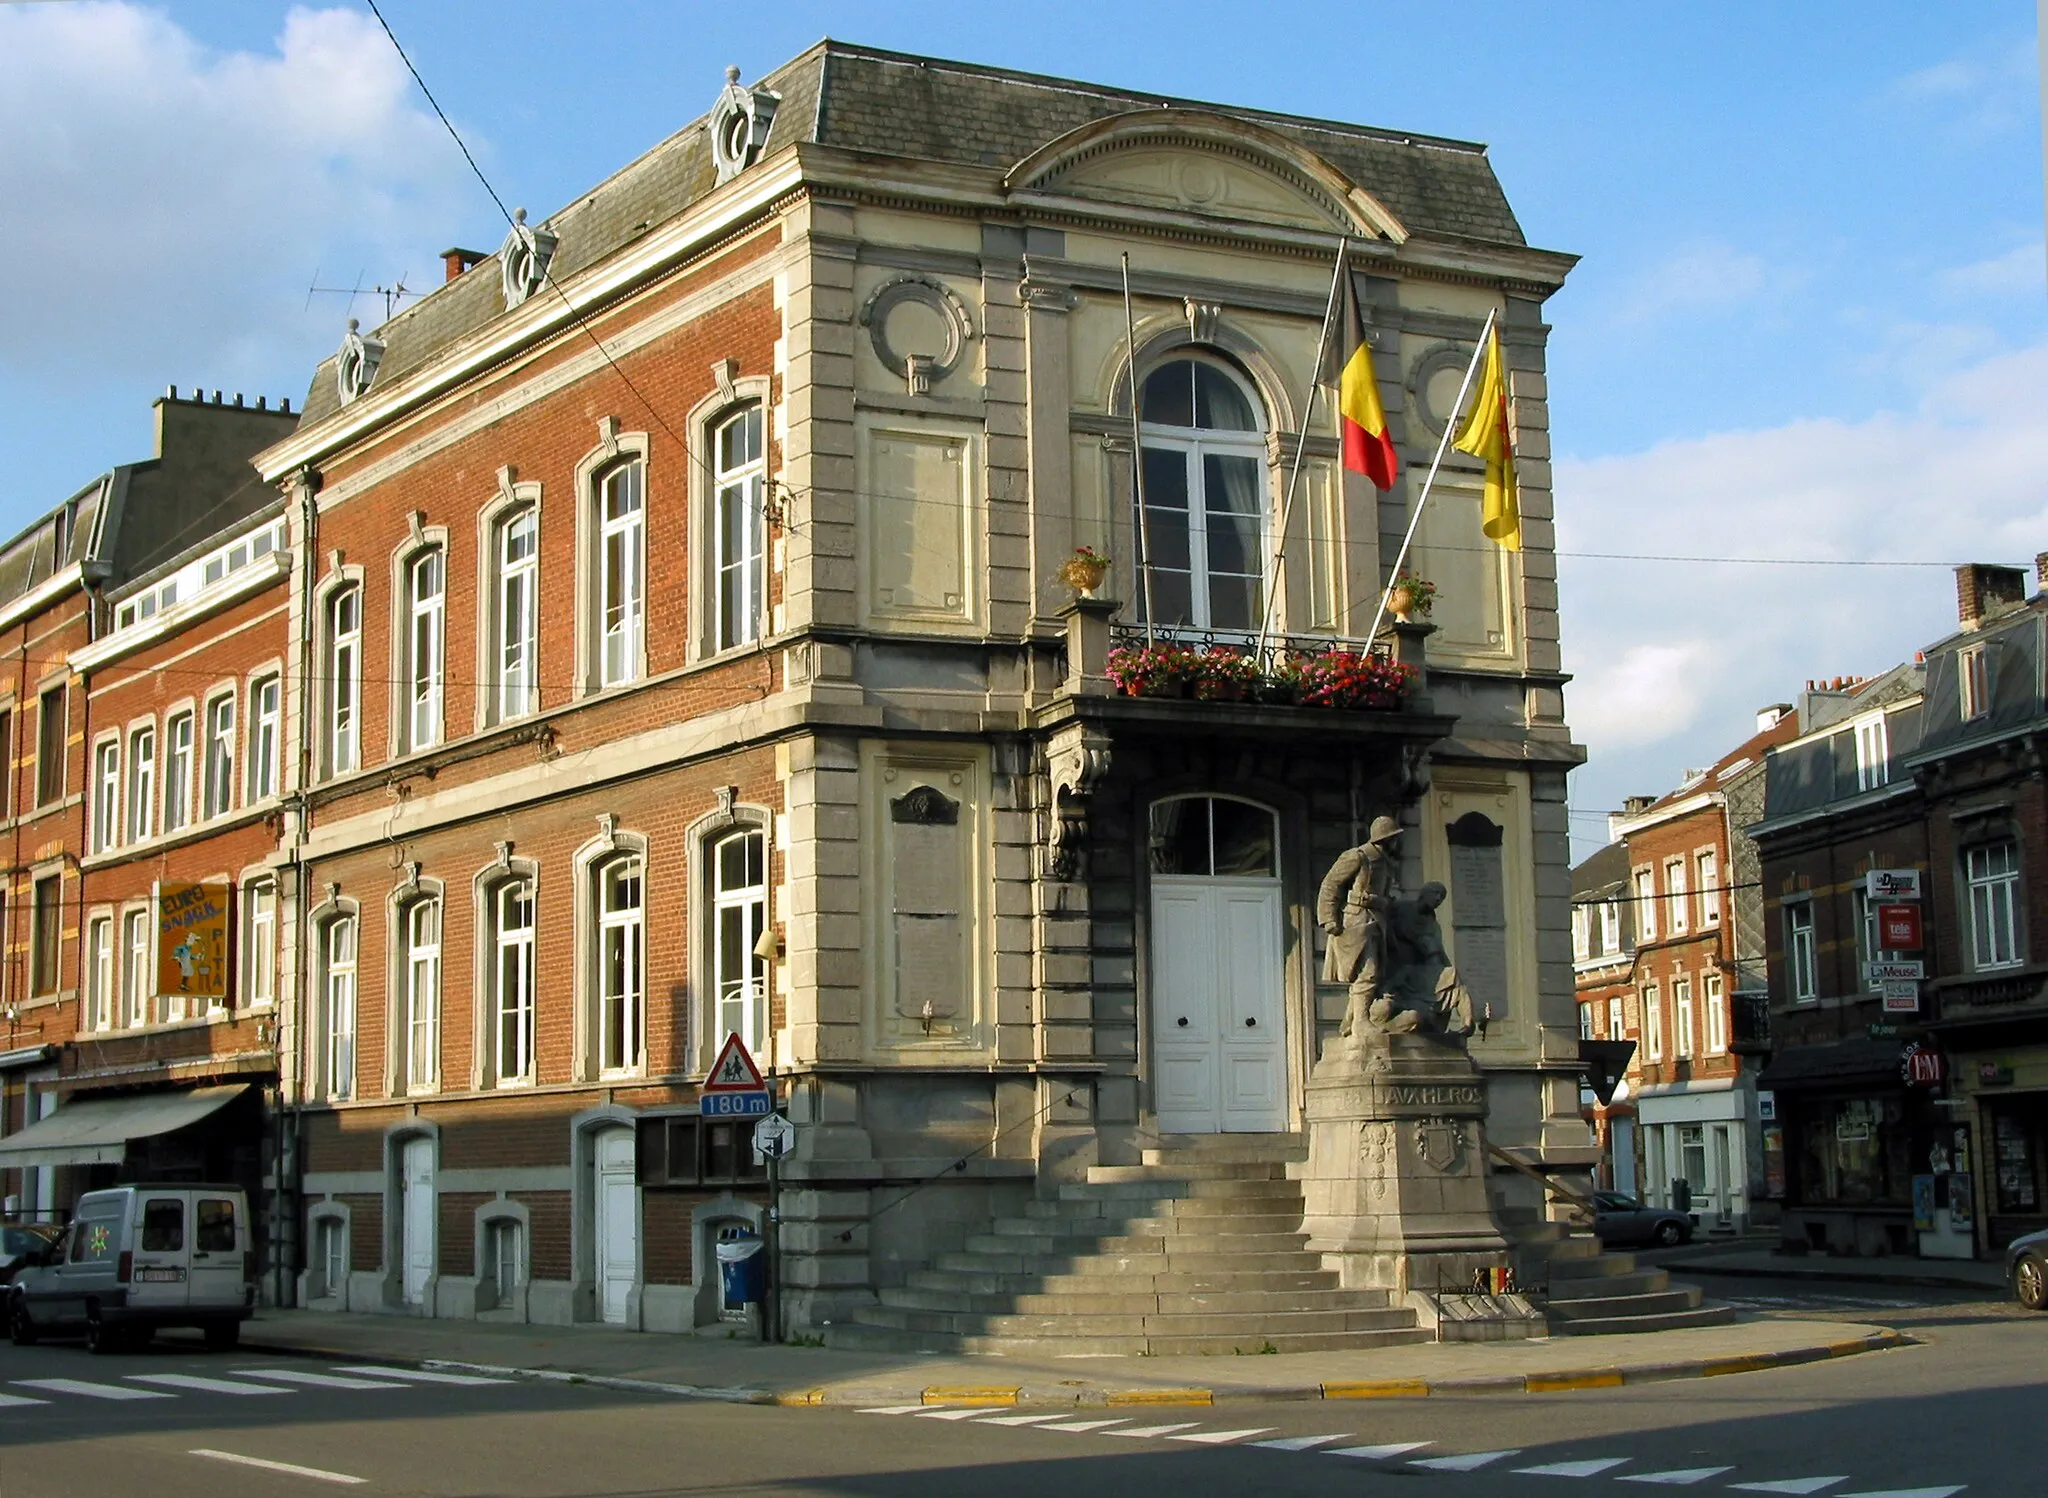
(1742, 757)
(895, 104)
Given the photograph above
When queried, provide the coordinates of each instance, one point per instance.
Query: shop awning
(1838, 1063)
(96, 1131)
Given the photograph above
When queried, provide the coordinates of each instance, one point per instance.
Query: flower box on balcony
(1339, 678)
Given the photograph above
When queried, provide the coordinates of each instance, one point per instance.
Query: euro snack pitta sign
(192, 940)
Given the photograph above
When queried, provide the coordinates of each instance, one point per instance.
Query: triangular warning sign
(734, 1070)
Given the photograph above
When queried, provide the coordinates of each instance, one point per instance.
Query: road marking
(90, 1391)
(1591, 1468)
(1948, 1492)
(1298, 1443)
(1471, 1461)
(967, 1414)
(1078, 1425)
(257, 1461)
(901, 1409)
(1679, 1476)
(1012, 1419)
(1379, 1453)
(1789, 1485)
(422, 1375)
(204, 1385)
(1222, 1437)
(8, 1401)
(316, 1380)
(1148, 1432)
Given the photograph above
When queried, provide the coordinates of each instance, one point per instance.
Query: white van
(136, 1258)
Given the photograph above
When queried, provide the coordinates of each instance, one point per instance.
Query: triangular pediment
(1186, 161)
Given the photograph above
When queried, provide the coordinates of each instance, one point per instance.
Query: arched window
(422, 993)
(515, 621)
(739, 516)
(1203, 525)
(1213, 837)
(426, 592)
(339, 981)
(621, 966)
(739, 901)
(512, 980)
(621, 572)
(344, 680)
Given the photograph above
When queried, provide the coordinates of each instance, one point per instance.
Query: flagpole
(1144, 527)
(1443, 445)
(1308, 406)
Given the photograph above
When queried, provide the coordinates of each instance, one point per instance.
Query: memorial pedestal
(1395, 1183)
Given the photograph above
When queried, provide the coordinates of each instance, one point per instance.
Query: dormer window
(524, 259)
(355, 365)
(739, 126)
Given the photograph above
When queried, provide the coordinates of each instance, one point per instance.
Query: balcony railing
(1124, 634)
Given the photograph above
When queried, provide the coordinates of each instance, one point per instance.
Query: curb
(1795, 1271)
(987, 1396)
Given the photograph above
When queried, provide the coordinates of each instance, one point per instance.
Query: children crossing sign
(735, 1088)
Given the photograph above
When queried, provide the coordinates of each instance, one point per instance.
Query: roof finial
(732, 73)
(352, 324)
(519, 215)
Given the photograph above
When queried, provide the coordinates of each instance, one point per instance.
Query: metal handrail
(1515, 1162)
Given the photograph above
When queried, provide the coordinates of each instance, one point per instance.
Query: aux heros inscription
(1395, 1183)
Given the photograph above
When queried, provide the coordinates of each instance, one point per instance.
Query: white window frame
(1196, 443)
(515, 614)
(1617, 1021)
(181, 738)
(106, 794)
(1973, 682)
(512, 982)
(1802, 976)
(1713, 993)
(99, 973)
(743, 994)
(505, 1245)
(426, 646)
(1610, 927)
(1582, 932)
(739, 491)
(1653, 1022)
(421, 921)
(1684, 1034)
(330, 1240)
(342, 661)
(259, 943)
(141, 783)
(1707, 866)
(340, 950)
(621, 979)
(266, 718)
(1873, 753)
(1996, 914)
(1674, 892)
(138, 969)
(620, 591)
(1646, 904)
(217, 775)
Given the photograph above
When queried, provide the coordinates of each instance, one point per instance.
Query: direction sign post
(774, 1138)
(735, 1088)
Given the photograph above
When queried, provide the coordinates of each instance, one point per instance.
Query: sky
(1810, 321)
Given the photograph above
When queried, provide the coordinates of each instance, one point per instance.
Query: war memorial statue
(1396, 1182)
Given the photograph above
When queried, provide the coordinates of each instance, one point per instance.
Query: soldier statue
(1389, 950)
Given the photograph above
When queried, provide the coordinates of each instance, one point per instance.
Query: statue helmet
(1384, 829)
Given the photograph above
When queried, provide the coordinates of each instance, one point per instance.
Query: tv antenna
(393, 294)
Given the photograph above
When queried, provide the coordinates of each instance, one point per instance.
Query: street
(1948, 1416)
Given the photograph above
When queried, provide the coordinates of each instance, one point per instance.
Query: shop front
(1696, 1149)
(2013, 1123)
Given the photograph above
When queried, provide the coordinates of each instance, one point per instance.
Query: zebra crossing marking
(203, 1384)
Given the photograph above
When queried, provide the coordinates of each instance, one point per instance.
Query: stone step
(885, 1339)
(1122, 1208)
(1165, 1188)
(1188, 1170)
(1223, 1282)
(1248, 1148)
(1172, 1242)
(1609, 1287)
(1126, 1302)
(973, 1262)
(1650, 1303)
(1216, 1225)
(1247, 1328)
(1662, 1321)
(1592, 1266)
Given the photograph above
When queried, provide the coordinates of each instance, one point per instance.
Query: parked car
(22, 1241)
(2026, 1265)
(1623, 1219)
(138, 1258)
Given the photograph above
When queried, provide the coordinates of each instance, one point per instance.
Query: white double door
(616, 1210)
(1219, 1055)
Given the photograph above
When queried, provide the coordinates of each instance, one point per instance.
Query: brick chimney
(1985, 590)
(456, 261)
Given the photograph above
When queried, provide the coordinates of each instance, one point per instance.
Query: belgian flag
(1368, 447)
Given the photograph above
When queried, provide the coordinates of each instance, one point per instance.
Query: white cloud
(168, 203)
(1671, 660)
(1974, 97)
(2024, 268)
(1701, 278)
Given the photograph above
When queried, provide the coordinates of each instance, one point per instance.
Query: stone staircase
(1585, 1292)
(1197, 1250)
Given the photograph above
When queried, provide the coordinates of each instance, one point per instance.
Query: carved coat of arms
(1440, 1142)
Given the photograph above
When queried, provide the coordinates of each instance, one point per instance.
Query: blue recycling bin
(742, 1268)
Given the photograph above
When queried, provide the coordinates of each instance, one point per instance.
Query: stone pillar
(1395, 1185)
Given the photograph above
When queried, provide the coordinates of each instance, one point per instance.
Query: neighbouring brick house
(1603, 972)
(679, 649)
(146, 618)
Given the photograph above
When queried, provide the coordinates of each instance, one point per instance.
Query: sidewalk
(715, 1367)
(1752, 1262)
